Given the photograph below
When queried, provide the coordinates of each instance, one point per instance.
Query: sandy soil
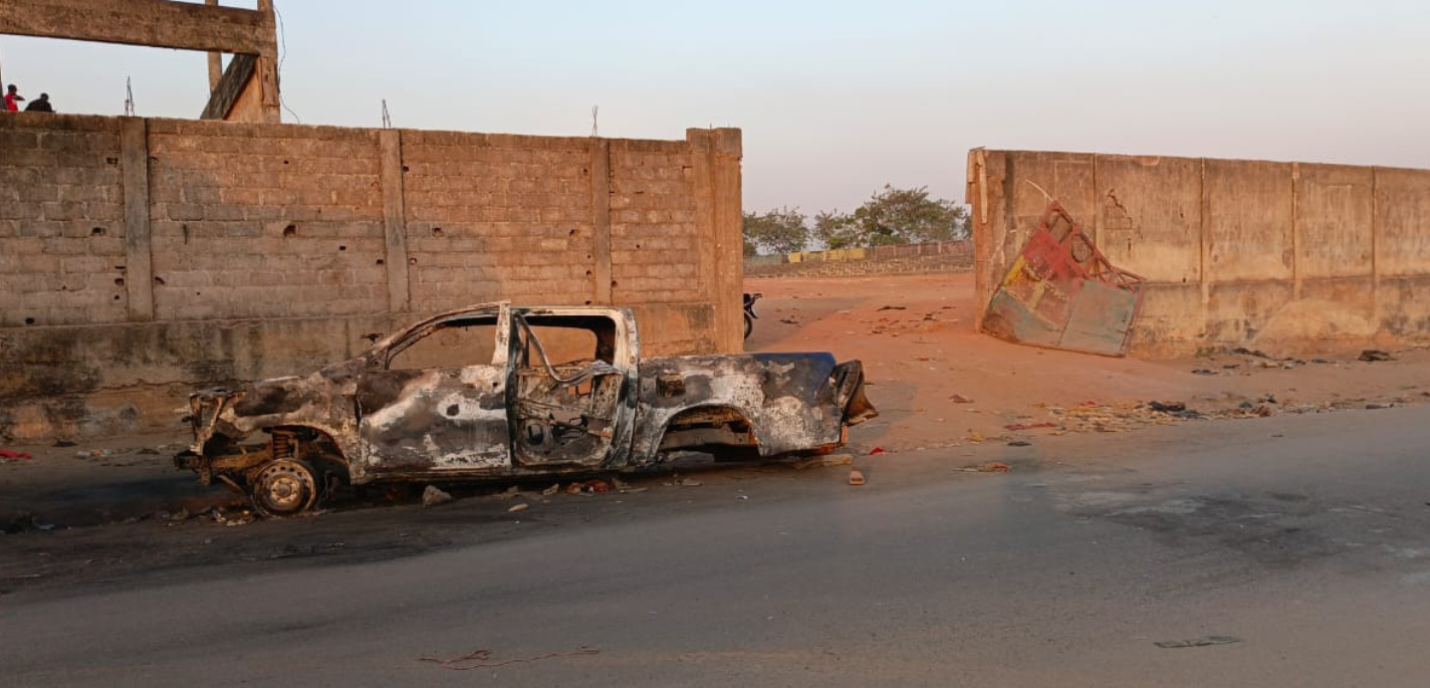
(923, 358)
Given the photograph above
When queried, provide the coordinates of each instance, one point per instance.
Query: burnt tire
(749, 325)
(284, 487)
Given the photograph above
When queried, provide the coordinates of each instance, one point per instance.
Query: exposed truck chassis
(521, 415)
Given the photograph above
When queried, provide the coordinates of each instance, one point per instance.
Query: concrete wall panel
(1249, 208)
(1334, 220)
(1402, 221)
(1293, 257)
(1150, 215)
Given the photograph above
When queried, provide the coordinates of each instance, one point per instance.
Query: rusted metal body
(1062, 293)
(515, 412)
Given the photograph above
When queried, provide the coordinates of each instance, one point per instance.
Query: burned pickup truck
(499, 391)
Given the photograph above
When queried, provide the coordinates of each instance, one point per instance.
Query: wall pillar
(715, 161)
(138, 250)
(601, 220)
(215, 59)
(394, 220)
(729, 240)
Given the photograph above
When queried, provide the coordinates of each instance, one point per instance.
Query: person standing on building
(41, 104)
(13, 98)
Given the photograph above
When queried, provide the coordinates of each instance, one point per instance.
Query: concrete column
(1204, 249)
(729, 240)
(394, 219)
(138, 249)
(601, 220)
(1376, 294)
(715, 157)
(702, 197)
(1296, 279)
(215, 59)
(267, 70)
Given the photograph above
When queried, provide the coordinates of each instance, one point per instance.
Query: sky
(835, 98)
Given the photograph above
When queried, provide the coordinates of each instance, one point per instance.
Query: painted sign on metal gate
(1062, 293)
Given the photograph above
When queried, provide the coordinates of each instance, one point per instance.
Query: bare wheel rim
(284, 488)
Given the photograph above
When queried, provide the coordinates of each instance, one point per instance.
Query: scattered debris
(892, 308)
(960, 399)
(1243, 351)
(518, 507)
(1175, 409)
(690, 482)
(823, 461)
(551, 490)
(64, 443)
(1020, 443)
(1203, 641)
(877, 450)
(481, 659)
(148, 451)
(1203, 371)
(1375, 355)
(7, 454)
(586, 488)
(1029, 426)
(987, 467)
(27, 522)
(856, 477)
(433, 495)
(1377, 406)
(510, 492)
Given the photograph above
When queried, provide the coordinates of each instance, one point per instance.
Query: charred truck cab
(497, 391)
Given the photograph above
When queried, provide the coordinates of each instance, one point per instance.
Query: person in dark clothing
(41, 104)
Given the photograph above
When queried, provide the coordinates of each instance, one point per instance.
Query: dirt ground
(937, 383)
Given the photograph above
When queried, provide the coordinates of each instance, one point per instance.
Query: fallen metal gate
(1062, 293)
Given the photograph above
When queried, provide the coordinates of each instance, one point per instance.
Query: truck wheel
(284, 487)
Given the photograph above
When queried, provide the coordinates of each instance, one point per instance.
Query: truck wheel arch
(709, 425)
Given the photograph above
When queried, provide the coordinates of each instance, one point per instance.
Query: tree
(778, 231)
(837, 230)
(894, 216)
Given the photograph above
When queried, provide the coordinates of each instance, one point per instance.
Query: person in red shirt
(13, 98)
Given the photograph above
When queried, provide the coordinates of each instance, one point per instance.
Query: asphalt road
(1303, 537)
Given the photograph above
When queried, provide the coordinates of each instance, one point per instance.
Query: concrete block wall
(245, 224)
(141, 258)
(62, 224)
(1288, 257)
(492, 216)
